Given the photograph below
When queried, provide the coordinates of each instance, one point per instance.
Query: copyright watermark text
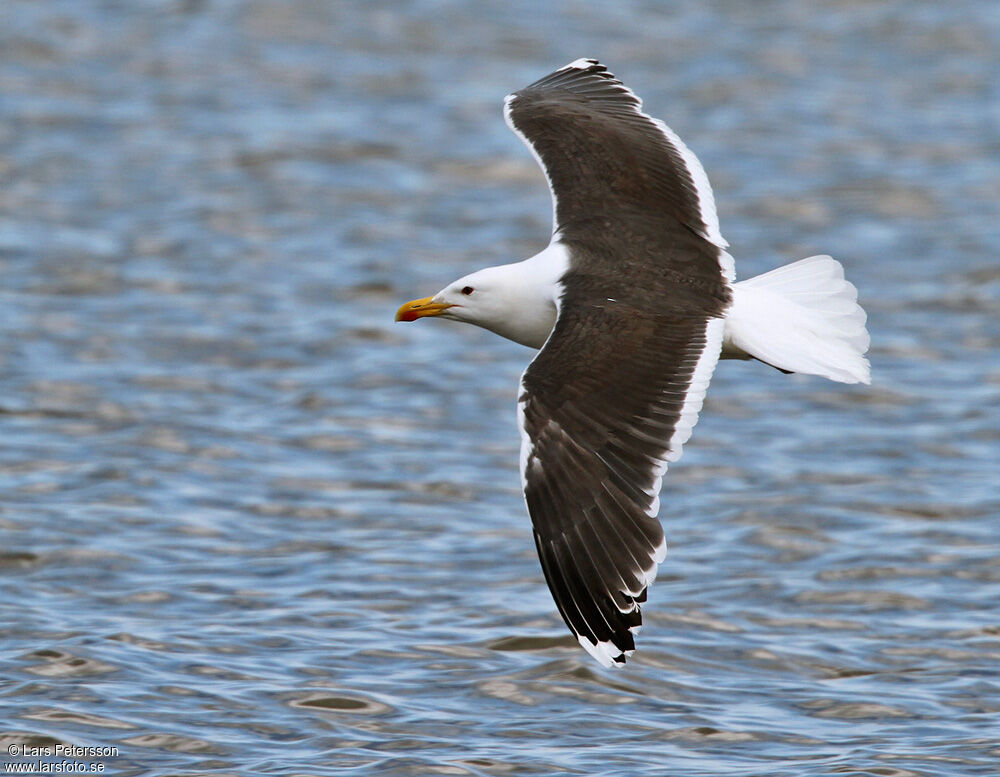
(68, 759)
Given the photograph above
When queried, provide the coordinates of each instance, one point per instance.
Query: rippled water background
(250, 526)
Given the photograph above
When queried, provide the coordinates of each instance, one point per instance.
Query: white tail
(803, 317)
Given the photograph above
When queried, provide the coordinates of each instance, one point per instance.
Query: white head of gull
(631, 304)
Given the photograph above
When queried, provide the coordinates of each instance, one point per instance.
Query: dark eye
(468, 290)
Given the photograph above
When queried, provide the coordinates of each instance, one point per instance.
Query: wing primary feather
(598, 547)
(589, 618)
(617, 548)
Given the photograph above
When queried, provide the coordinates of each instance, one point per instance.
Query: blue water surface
(249, 525)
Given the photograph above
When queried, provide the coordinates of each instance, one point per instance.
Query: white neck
(534, 291)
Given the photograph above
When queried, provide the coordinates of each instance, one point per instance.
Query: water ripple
(249, 526)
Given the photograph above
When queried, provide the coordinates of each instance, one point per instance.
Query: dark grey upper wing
(616, 390)
(602, 155)
(603, 407)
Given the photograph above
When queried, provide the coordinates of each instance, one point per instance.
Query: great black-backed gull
(632, 304)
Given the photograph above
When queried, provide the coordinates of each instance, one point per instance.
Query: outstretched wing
(602, 155)
(616, 390)
(603, 408)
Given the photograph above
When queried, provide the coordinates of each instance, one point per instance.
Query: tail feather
(803, 317)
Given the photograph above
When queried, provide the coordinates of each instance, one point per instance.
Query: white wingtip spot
(604, 653)
(583, 63)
